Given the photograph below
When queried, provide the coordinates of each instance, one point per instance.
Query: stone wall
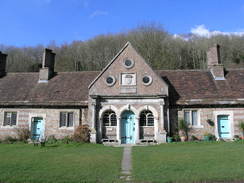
(205, 114)
(51, 120)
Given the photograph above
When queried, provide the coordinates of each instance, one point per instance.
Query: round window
(110, 80)
(128, 63)
(147, 80)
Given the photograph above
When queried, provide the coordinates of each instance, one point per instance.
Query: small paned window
(194, 118)
(10, 118)
(66, 119)
(191, 117)
(109, 118)
(187, 117)
(146, 118)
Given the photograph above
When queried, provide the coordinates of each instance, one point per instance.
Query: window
(110, 80)
(147, 80)
(146, 118)
(128, 63)
(10, 118)
(109, 118)
(66, 119)
(191, 117)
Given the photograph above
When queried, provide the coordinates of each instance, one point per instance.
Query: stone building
(127, 102)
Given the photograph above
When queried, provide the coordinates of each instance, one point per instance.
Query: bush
(241, 126)
(194, 138)
(9, 140)
(176, 138)
(51, 139)
(67, 140)
(23, 134)
(209, 137)
(82, 134)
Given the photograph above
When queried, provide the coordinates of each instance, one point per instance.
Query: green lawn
(72, 163)
(189, 162)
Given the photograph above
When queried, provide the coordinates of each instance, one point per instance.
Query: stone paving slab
(126, 166)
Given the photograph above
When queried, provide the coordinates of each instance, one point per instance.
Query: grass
(189, 162)
(72, 163)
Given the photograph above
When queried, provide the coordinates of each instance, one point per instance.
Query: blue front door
(37, 128)
(128, 127)
(224, 126)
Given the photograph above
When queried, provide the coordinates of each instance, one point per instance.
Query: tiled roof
(71, 88)
(198, 86)
(66, 88)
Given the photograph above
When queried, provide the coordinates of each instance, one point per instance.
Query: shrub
(209, 137)
(176, 138)
(51, 139)
(183, 128)
(9, 140)
(241, 126)
(194, 138)
(23, 134)
(67, 140)
(82, 134)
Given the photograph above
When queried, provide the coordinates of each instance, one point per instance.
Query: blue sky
(32, 22)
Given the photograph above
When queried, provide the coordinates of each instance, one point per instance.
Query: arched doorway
(128, 127)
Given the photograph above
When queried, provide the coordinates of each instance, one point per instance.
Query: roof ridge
(181, 70)
(76, 72)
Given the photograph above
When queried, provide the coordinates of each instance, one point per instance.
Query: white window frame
(147, 116)
(109, 120)
(198, 118)
(66, 122)
(10, 126)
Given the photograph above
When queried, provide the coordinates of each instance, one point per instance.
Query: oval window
(128, 63)
(147, 80)
(110, 80)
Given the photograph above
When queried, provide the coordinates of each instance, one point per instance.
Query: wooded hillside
(160, 49)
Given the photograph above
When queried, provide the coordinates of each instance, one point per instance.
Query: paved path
(126, 164)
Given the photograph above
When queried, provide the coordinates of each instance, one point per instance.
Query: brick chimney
(3, 61)
(214, 63)
(47, 70)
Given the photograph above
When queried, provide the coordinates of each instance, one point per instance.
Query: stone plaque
(128, 79)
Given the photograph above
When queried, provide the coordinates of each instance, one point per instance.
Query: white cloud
(202, 31)
(98, 13)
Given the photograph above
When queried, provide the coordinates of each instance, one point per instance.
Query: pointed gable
(128, 74)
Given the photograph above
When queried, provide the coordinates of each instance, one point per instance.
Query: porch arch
(155, 115)
(120, 112)
(103, 110)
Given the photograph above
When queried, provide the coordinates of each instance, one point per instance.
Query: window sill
(8, 126)
(66, 128)
(198, 126)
